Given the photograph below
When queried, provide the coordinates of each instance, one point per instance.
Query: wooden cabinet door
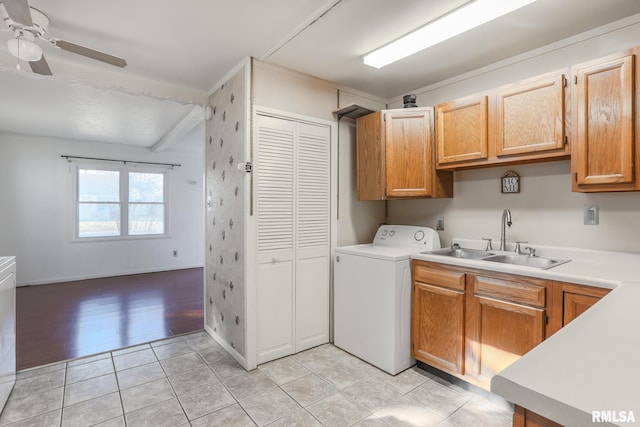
(530, 116)
(524, 418)
(500, 330)
(437, 333)
(575, 305)
(438, 312)
(370, 157)
(604, 149)
(462, 130)
(409, 153)
(576, 299)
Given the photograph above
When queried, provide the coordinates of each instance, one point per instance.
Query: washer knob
(392, 233)
(384, 232)
(419, 235)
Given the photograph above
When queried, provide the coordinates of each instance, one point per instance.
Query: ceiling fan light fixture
(24, 49)
(457, 22)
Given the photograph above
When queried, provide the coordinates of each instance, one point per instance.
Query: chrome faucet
(506, 221)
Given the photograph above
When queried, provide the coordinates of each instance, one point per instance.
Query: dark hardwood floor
(66, 320)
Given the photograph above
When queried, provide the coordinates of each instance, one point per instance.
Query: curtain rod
(120, 161)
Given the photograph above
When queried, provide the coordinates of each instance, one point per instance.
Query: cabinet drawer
(439, 277)
(525, 291)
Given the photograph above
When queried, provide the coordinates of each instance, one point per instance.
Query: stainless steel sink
(513, 259)
(457, 252)
(526, 260)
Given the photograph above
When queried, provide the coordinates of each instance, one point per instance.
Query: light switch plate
(591, 215)
(440, 223)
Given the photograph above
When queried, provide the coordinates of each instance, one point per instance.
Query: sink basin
(461, 253)
(527, 261)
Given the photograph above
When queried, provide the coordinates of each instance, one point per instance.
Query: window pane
(146, 219)
(98, 219)
(98, 185)
(146, 187)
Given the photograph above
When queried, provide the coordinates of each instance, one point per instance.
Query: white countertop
(603, 269)
(590, 364)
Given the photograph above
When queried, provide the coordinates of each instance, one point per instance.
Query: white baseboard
(232, 351)
(103, 275)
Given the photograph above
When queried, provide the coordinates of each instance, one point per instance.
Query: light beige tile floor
(191, 381)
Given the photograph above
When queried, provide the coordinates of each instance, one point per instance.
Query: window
(146, 203)
(120, 202)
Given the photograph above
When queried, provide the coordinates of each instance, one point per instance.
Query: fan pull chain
(18, 58)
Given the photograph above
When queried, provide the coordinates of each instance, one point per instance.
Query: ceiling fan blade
(40, 67)
(90, 53)
(18, 11)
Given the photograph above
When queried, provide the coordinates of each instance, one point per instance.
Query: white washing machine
(372, 295)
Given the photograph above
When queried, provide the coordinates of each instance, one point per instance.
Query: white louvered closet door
(275, 215)
(312, 252)
(293, 217)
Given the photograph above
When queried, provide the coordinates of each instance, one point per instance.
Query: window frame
(124, 202)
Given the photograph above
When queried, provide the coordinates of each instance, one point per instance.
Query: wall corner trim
(239, 358)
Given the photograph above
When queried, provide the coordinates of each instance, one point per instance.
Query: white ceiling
(180, 50)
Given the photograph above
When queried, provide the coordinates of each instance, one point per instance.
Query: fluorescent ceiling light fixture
(460, 20)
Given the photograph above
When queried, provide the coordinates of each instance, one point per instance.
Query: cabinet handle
(338, 258)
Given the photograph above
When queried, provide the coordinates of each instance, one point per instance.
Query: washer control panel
(407, 235)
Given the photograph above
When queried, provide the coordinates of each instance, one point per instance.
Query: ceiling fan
(29, 24)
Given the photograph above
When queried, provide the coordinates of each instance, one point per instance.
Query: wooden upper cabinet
(409, 151)
(395, 156)
(604, 156)
(530, 116)
(370, 157)
(517, 123)
(462, 130)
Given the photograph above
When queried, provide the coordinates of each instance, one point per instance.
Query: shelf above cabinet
(352, 111)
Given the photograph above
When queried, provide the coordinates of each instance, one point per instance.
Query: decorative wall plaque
(510, 182)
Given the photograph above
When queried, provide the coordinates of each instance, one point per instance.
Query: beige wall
(298, 93)
(546, 211)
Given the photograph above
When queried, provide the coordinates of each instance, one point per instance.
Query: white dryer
(372, 295)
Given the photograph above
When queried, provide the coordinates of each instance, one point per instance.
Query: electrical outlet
(175, 254)
(440, 223)
(591, 215)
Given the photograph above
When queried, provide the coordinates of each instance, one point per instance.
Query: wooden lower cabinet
(505, 319)
(438, 302)
(474, 323)
(524, 418)
(572, 300)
